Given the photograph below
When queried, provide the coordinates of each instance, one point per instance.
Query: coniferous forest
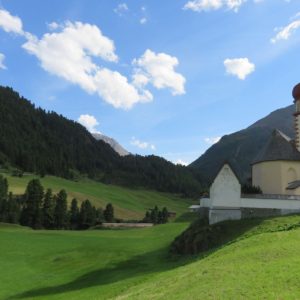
(41, 142)
(39, 208)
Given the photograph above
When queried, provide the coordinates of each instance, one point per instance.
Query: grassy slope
(128, 203)
(263, 263)
(81, 265)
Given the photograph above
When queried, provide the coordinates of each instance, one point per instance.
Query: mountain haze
(240, 148)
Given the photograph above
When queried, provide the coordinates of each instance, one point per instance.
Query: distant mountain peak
(113, 143)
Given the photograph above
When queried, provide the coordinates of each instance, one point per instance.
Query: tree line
(34, 140)
(41, 209)
(156, 216)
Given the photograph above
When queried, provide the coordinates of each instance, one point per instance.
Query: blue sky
(161, 77)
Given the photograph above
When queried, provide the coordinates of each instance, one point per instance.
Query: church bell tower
(296, 96)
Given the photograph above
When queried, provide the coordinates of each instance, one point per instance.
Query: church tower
(296, 95)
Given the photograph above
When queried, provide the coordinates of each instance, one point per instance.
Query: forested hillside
(43, 142)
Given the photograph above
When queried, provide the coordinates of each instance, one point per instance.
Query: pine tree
(74, 214)
(13, 210)
(165, 215)
(3, 197)
(48, 210)
(87, 215)
(154, 215)
(147, 218)
(31, 213)
(61, 210)
(109, 213)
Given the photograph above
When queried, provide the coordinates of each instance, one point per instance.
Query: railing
(271, 196)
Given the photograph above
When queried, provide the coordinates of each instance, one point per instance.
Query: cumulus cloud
(90, 122)
(68, 54)
(208, 5)
(69, 51)
(121, 9)
(2, 57)
(158, 69)
(240, 67)
(285, 32)
(212, 140)
(142, 145)
(10, 23)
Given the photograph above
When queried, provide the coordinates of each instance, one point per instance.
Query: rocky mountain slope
(240, 148)
(113, 143)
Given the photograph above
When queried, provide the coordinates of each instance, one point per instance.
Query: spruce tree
(154, 215)
(165, 215)
(61, 210)
(31, 213)
(87, 215)
(48, 210)
(3, 197)
(109, 213)
(74, 214)
(13, 209)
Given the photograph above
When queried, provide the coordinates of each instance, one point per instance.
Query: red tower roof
(296, 92)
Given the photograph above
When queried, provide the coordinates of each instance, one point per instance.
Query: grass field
(128, 203)
(261, 263)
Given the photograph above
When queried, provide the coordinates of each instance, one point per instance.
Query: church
(276, 170)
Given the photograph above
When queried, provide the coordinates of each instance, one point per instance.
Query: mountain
(42, 142)
(113, 143)
(240, 148)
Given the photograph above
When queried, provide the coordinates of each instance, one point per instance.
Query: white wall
(226, 189)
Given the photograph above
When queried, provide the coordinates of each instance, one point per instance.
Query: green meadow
(263, 262)
(128, 203)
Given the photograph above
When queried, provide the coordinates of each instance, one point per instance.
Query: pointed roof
(278, 147)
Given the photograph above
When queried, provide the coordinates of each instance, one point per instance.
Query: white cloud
(159, 70)
(121, 9)
(53, 26)
(285, 32)
(10, 23)
(212, 140)
(2, 57)
(240, 67)
(116, 90)
(208, 5)
(90, 122)
(68, 54)
(142, 145)
(181, 162)
(143, 21)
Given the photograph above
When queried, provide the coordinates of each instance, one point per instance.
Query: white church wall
(226, 189)
(288, 204)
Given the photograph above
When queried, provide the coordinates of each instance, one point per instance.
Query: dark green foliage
(88, 215)
(74, 214)
(60, 210)
(13, 210)
(32, 214)
(251, 189)
(109, 213)
(157, 216)
(48, 210)
(43, 142)
(3, 197)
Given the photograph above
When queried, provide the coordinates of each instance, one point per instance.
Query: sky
(167, 78)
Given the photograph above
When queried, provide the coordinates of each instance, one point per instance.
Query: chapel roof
(278, 147)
